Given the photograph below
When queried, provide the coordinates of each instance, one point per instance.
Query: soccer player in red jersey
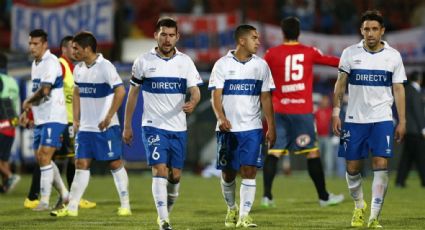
(291, 64)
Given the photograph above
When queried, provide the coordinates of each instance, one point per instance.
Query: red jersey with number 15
(291, 65)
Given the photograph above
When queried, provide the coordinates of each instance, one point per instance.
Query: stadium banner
(206, 38)
(61, 18)
(410, 42)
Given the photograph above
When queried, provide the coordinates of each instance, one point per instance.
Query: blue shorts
(236, 149)
(101, 146)
(358, 139)
(294, 133)
(164, 147)
(48, 134)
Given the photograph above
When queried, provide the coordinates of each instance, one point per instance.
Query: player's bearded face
(37, 47)
(372, 32)
(252, 42)
(166, 38)
(77, 52)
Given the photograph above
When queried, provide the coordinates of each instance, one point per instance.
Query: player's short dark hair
(65, 40)
(86, 39)
(242, 30)
(290, 27)
(39, 33)
(166, 22)
(372, 15)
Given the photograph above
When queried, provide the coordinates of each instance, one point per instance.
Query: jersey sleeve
(137, 72)
(193, 77)
(399, 75)
(344, 62)
(320, 58)
(216, 78)
(51, 73)
(268, 83)
(113, 78)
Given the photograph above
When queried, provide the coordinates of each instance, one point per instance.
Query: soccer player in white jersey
(241, 83)
(48, 106)
(165, 75)
(372, 70)
(98, 93)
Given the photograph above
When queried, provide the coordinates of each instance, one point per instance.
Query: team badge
(303, 140)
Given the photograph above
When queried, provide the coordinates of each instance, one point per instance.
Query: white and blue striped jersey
(370, 80)
(242, 84)
(164, 82)
(51, 108)
(96, 84)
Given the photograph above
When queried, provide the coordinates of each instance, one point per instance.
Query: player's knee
(228, 176)
(116, 164)
(82, 164)
(248, 172)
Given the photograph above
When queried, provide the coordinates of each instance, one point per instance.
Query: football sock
(159, 192)
(269, 172)
(70, 172)
(379, 188)
(79, 185)
(228, 191)
(315, 170)
(247, 196)
(35, 184)
(58, 183)
(355, 187)
(121, 183)
(173, 193)
(46, 180)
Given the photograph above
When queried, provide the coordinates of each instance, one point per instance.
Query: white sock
(46, 180)
(355, 187)
(228, 190)
(379, 188)
(173, 193)
(121, 183)
(247, 196)
(159, 192)
(79, 185)
(58, 182)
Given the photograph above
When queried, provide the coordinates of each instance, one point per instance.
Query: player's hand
(270, 137)
(400, 130)
(23, 119)
(188, 107)
(224, 125)
(103, 125)
(76, 126)
(127, 136)
(336, 125)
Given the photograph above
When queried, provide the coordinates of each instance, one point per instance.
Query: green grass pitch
(201, 206)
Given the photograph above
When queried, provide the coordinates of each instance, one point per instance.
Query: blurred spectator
(9, 106)
(418, 15)
(345, 13)
(414, 143)
(322, 118)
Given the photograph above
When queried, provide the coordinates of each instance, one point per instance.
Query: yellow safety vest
(68, 87)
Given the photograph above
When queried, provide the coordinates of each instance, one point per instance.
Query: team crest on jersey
(357, 61)
(153, 140)
(303, 140)
(232, 72)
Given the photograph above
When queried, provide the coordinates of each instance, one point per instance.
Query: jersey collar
(361, 45)
(231, 54)
(153, 51)
(98, 59)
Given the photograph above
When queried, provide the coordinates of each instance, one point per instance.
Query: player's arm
(35, 98)
(133, 94)
(76, 108)
(119, 94)
(322, 59)
(339, 92)
(216, 97)
(400, 103)
(195, 97)
(266, 103)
